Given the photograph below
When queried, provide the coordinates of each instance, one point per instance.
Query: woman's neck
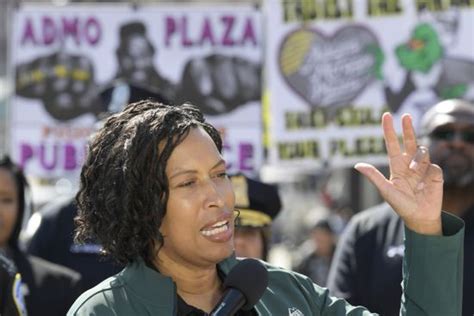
(199, 287)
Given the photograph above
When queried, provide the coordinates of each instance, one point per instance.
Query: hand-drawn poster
(75, 63)
(333, 67)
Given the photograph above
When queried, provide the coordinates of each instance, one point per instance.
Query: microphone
(244, 286)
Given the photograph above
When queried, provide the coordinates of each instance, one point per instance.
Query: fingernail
(413, 164)
(421, 152)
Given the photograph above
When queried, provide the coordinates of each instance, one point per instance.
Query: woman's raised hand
(415, 187)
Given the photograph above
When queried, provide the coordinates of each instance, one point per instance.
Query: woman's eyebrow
(180, 172)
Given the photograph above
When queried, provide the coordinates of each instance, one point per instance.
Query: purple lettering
(249, 33)
(185, 41)
(43, 160)
(26, 153)
(207, 34)
(69, 157)
(28, 33)
(210, 32)
(170, 27)
(246, 156)
(70, 28)
(59, 29)
(49, 31)
(229, 24)
(93, 31)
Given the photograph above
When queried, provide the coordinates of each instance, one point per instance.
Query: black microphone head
(250, 277)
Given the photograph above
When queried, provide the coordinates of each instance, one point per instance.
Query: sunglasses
(451, 134)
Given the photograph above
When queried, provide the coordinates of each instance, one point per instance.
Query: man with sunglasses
(367, 266)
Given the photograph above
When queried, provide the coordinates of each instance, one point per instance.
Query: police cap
(258, 202)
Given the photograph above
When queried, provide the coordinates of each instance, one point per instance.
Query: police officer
(48, 288)
(54, 241)
(258, 203)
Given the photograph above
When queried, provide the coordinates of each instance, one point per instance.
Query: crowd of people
(136, 244)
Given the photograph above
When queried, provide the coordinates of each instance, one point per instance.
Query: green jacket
(432, 283)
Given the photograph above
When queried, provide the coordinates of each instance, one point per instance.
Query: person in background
(48, 289)
(316, 264)
(54, 241)
(367, 267)
(258, 204)
(156, 195)
(12, 302)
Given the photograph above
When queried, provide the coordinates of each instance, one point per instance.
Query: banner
(74, 63)
(334, 67)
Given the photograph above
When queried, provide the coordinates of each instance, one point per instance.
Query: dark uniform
(54, 241)
(11, 298)
(49, 289)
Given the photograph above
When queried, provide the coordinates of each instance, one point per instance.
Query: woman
(48, 289)
(155, 193)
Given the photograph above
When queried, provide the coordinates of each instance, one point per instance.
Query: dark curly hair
(124, 189)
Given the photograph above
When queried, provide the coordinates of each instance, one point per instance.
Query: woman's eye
(186, 184)
(222, 174)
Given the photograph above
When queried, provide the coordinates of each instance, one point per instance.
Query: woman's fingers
(374, 175)
(391, 139)
(415, 187)
(435, 174)
(420, 161)
(409, 137)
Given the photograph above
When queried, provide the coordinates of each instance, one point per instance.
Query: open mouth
(215, 229)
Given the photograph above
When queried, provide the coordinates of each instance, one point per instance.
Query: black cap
(259, 203)
(445, 112)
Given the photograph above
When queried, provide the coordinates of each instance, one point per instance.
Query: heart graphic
(329, 72)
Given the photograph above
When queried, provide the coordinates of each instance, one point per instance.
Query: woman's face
(199, 223)
(8, 206)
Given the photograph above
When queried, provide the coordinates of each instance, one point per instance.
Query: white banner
(333, 67)
(73, 63)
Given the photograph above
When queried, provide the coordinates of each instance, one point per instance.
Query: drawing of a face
(140, 56)
(135, 52)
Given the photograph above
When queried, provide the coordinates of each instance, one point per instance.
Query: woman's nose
(214, 195)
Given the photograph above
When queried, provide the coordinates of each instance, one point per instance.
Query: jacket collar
(153, 287)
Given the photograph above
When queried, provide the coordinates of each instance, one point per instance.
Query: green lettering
(384, 7)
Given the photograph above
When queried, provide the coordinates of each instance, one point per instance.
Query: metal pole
(11, 6)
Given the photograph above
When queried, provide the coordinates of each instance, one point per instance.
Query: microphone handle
(231, 302)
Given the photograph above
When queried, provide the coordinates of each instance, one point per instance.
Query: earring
(236, 212)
